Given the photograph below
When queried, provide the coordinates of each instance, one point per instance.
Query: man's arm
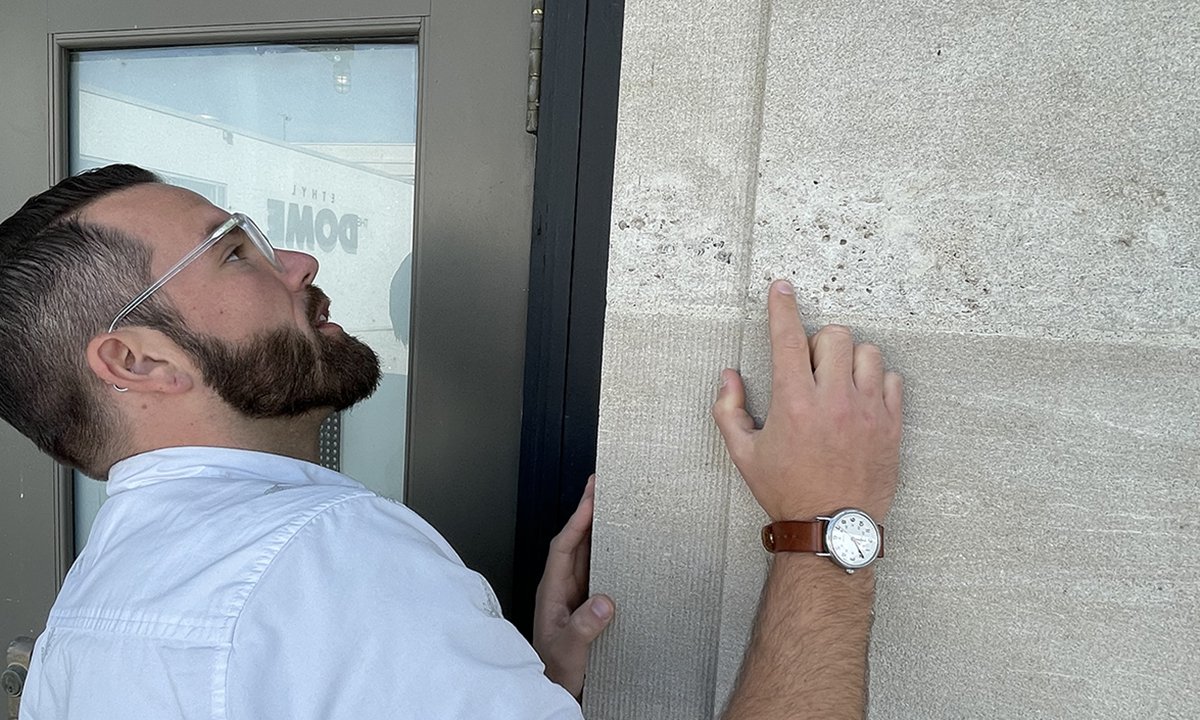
(830, 441)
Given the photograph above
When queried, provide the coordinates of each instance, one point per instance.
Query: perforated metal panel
(330, 443)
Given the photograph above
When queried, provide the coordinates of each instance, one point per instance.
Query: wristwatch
(849, 537)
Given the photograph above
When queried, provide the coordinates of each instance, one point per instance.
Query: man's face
(260, 337)
(284, 372)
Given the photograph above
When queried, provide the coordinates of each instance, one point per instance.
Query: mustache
(317, 301)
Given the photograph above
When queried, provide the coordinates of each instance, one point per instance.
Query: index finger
(791, 364)
(577, 526)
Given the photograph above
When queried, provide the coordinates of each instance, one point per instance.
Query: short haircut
(62, 280)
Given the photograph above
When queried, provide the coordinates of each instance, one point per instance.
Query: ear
(140, 360)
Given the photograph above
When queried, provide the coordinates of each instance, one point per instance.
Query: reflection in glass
(316, 142)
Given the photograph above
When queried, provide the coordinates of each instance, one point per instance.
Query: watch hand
(855, 539)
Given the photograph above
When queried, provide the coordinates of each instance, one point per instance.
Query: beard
(284, 372)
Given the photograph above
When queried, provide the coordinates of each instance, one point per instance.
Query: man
(160, 343)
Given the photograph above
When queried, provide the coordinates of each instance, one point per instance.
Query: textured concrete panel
(1038, 548)
(1012, 167)
(1005, 196)
(1064, 476)
(687, 148)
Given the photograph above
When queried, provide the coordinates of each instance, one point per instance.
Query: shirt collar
(217, 463)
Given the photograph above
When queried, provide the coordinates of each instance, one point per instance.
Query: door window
(314, 141)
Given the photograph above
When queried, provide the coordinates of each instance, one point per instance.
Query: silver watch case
(860, 530)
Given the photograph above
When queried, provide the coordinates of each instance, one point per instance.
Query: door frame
(568, 276)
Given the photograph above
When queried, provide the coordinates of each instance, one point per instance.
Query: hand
(564, 626)
(832, 434)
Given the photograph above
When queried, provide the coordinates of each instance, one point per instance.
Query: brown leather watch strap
(794, 536)
(800, 536)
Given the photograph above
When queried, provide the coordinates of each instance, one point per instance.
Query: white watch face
(852, 538)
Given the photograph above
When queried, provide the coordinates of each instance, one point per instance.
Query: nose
(299, 269)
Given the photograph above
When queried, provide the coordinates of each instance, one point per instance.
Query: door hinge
(535, 66)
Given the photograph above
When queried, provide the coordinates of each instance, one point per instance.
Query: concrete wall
(1005, 196)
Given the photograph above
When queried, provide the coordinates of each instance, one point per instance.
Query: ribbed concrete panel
(659, 544)
(746, 567)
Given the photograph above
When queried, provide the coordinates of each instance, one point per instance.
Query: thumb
(590, 619)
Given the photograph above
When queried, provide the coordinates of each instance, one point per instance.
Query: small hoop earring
(120, 389)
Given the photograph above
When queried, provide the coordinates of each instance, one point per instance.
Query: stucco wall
(1005, 196)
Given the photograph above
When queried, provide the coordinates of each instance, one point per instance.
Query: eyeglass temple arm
(216, 235)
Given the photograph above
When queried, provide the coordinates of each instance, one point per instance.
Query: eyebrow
(237, 234)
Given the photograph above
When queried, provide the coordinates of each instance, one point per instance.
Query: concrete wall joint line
(751, 175)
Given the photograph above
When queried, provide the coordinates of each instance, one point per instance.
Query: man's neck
(296, 437)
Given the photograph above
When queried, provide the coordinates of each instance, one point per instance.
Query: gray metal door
(472, 207)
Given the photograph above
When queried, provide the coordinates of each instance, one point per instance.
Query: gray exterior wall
(1005, 196)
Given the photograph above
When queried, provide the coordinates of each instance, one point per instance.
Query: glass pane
(317, 143)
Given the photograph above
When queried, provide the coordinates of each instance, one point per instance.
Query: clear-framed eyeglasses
(236, 220)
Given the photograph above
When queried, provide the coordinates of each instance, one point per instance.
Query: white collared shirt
(234, 585)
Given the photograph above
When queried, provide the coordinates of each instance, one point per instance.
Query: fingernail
(601, 608)
(785, 287)
(724, 379)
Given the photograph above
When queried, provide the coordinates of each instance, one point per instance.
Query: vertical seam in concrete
(751, 194)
